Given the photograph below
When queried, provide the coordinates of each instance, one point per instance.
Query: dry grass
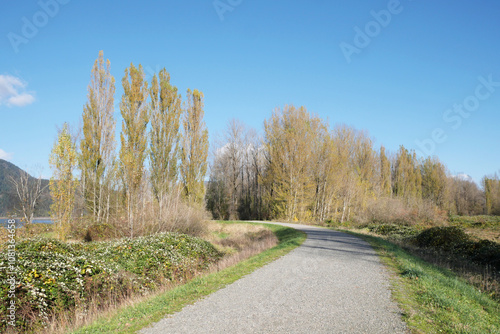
(389, 210)
(486, 233)
(173, 214)
(239, 241)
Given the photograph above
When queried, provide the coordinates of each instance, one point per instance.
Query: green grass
(221, 235)
(132, 318)
(435, 300)
(475, 221)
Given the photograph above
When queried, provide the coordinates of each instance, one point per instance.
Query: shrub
(53, 275)
(398, 231)
(446, 238)
(454, 240)
(388, 210)
(486, 252)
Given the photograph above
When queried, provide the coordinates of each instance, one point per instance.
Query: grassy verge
(132, 318)
(435, 300)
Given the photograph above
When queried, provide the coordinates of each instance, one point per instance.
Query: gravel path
(333, 283)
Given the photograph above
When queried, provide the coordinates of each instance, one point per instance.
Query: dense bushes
(53, 275)
(393, 230)
(454, 240)
(447, 238)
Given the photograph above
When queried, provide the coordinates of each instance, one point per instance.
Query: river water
(19, 223)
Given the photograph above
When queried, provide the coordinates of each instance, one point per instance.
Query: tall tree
(194, 149)
(234, 170)
(133, 150)
(291, 147)
(63, 161)
(434, 181)
(365, 164)
(491, 185)
(326, 178)
(467, 198)
(165, 109)
(345, 144)
(250, 206)
(407, 175)
(385, 173)
(230, 158)
(98, 143)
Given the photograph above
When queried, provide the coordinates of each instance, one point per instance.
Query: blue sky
(423, 74)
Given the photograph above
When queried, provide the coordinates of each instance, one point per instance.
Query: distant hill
(8, 196)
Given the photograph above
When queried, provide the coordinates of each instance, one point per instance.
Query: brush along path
(332, 283)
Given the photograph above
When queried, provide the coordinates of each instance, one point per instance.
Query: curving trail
(332, 283)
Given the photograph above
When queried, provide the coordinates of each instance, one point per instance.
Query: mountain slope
(8, 197)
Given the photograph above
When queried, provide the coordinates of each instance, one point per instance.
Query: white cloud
(4, 155)
(463, 177)
(13, 92)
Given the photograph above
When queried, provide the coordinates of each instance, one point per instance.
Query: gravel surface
(333, 283)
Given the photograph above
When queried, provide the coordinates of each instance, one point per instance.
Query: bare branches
(28, 191)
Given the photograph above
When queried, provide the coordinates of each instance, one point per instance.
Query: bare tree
(28, 191)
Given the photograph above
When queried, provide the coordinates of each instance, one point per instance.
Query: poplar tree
(488, 194)
(326, 177)
(194, 149)
(491, 185)
(402, 173)
(365, 164)
(434, 181)
(408, 177)
(165, 109)
(291, 145)
(98, 143)
(385, 173)
(63, 161)
(345, 139)
(133, 150)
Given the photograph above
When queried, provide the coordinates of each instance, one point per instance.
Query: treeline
(156, 180)
(301, 170)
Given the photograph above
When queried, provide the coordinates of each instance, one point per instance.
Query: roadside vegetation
(435, 299)
(54, 276)
(67, 284)
(140, 313)
(447, 278)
